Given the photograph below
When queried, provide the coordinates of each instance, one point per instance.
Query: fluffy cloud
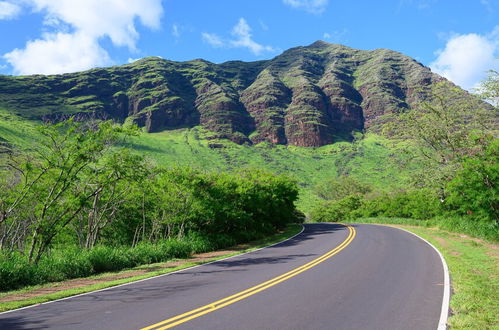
(8, 10)
(58, 53)
(89, 21)
(242, 33)
(312, 6)
(175, 31)
(212, 39)
(467, 57)
(242, 39)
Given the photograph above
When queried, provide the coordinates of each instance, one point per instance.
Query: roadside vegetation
(455, 190)
(80, 205)
(37, 294)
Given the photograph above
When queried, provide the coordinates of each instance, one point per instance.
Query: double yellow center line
(182, 318)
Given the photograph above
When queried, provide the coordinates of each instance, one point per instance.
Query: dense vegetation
(80, 205)
(457, 189)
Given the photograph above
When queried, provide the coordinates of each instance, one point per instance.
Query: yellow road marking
(179, 319)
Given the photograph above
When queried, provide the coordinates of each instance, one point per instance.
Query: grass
(151, 269)
(482, 230)
(18, 131)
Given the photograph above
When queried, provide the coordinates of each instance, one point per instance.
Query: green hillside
(372, 159)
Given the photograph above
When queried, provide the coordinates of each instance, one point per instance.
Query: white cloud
(89, 21)
(58, 53)
(242, 32)
(212, 39)
(466, 58)
(131, 60)
(312, 6)
(8, 10)
(175, 31)
(242, 39)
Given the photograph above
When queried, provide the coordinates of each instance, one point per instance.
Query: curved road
(328, 277)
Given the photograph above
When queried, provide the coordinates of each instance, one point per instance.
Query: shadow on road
(15, 323)
(311, 230)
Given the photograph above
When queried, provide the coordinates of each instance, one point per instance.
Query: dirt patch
(84, 282)
(442, 242)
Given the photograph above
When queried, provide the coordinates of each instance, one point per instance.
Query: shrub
(473, 191)
(105, 259)
(417, 204)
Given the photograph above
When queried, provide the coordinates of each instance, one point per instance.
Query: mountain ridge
(306, 96)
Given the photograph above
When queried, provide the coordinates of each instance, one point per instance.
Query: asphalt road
(368, 277)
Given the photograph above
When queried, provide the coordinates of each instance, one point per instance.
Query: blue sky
(458, 39)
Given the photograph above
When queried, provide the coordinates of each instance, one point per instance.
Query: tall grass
(71, 262)
(480, 229)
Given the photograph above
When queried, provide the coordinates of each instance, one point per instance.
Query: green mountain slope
(307, 96)
(380, 162)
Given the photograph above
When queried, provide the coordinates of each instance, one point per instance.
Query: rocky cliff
(306, 96)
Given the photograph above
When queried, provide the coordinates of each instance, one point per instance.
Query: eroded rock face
(307, 96)
(266, 101)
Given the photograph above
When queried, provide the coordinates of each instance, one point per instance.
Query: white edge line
(150, 278)
(444, 313)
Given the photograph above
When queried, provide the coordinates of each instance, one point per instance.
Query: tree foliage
(81, 188)
(473, 192)
(458, 140)
(341, 187)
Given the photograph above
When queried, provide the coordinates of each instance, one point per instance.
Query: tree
(473, 191)
(489, 88)
(110, 181)
(339, 188)
(448, 129)
(47, 193)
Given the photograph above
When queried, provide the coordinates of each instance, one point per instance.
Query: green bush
(485, 229)
(105, 259)
(342, 209)
(417, 204)
(339, 188)
(65, 263)
(15, 272)
(473, 192)
(175, 248)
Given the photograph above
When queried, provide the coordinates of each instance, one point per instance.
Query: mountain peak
(319, 44)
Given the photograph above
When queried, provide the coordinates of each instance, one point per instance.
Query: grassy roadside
(44, 293)
(474, 270)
